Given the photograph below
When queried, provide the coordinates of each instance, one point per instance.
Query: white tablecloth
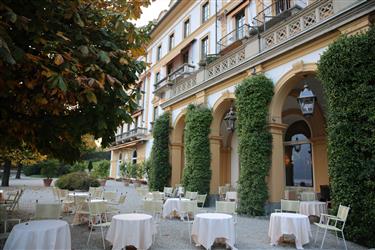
(289, 223)
(312, 208)
(172, 204)
(209, 226)
(79, 194)
(40, 234)
(131, 230)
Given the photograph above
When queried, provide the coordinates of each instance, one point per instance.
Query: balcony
(233, 39)
(315, 20)
(131, 135)
(179, 74)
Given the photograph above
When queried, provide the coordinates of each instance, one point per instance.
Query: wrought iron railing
(184, 69)
(276, 11)
(133, 133)
(236, 35)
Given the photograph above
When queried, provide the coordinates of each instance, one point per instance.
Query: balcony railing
(299, 23)
(135, 133)
(276, 12)
(236, 35)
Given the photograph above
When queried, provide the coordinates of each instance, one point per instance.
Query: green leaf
(91, 97)
(103, 56)
(61, 84)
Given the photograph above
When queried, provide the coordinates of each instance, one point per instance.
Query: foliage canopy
(67, 68)
(347, 73)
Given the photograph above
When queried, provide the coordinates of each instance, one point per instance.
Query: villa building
(200, 51)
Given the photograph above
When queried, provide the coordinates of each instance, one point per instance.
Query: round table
(312, 208)
(131, 230)
(207, 227)
(40, 234)
(172, 205)
(289, 223)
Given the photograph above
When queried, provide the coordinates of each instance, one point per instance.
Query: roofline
(165, 16)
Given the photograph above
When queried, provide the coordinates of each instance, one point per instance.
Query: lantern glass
(306, 101)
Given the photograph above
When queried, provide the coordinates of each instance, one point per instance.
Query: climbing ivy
(160, 169)
(255, 142)
(197, 171)
(347, 73)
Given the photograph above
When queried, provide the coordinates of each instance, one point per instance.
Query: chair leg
(342, 233)
(337, 238)
(316, 234)
(324, 237)
(101, 229)
(88, 240)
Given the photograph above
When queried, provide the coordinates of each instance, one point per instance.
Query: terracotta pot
(102, 182)
(47, 182)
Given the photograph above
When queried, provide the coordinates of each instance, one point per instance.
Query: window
(185, 57)
(204, 47)
(158, 53)
(155, 113)
(186, 28)
(282, 5)
(134, 157)
(169, 68)
(157, 78)
(205, 12)
(171, 42)
(240, 22)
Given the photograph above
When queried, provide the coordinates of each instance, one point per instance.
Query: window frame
(204, 18)
(158, 52)
(188, 29)
(171, 44)
(205, 38)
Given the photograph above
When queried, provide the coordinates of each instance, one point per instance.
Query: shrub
(49, 168)
(255, 142)
(32, 170)
(160, 168)
(78, 166)
(77, 181)
(197, 171)
(347, 73)
(101, 169)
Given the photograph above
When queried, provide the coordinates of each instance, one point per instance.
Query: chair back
(50, 211)
(96, 192)
(343, 212)
(290, 206)
(3, 213)
(156, 195)
(191, 195)
(110, 195)
(180, 190)
(168, 191)
(152, 207)
(121, 199)
(231, 196)
(308, 196)
(201, 198)
(188, 207)
(227, 207)
(223, 190)
(55, 193)
(142, 192)
(16, 200)
(97, 208)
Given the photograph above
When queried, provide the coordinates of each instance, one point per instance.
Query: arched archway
(177, 157)
(284, 112)
(224, 156)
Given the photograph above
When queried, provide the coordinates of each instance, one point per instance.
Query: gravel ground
(252, 232)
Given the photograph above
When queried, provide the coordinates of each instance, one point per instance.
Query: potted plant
(49, 170)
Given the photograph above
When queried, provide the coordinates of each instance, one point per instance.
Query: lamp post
(306, 101)
(230, 119)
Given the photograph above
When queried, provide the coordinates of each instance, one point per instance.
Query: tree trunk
(6, 174)
(19, 169)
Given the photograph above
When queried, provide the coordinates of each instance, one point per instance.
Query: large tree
(67, 68)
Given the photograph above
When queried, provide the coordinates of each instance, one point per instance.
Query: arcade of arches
(299, 150)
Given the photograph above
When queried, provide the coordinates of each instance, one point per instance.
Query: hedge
(197, 171)
(347, 73)
(253, 96)
(160, 169)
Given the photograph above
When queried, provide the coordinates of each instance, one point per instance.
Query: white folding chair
(154, 208)
(5, 221)
(168, 191)
(201, 199)
(308, 196)
(156, 195)
(110, 196)
(289, 206)
(227, 207)
(188, 208)
(333, 223)
(47, 211)
(98, 218)
(231, 196)
(191, 195)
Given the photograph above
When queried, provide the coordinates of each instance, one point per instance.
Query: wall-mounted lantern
(230, 119)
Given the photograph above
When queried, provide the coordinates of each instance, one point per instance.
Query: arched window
(134, 157)
(297, 158)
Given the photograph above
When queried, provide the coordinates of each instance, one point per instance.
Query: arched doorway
(310, 164)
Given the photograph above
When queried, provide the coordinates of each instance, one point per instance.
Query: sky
(152, 12)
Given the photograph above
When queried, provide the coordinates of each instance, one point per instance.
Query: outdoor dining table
(172, 205)
(39, 234)
(290, 223)
(312, 208)
(131, 230)
(207, 227)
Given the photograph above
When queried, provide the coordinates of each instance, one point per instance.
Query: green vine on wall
(160, 169)
(347, 73)
(253, 96)
(197, 171)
